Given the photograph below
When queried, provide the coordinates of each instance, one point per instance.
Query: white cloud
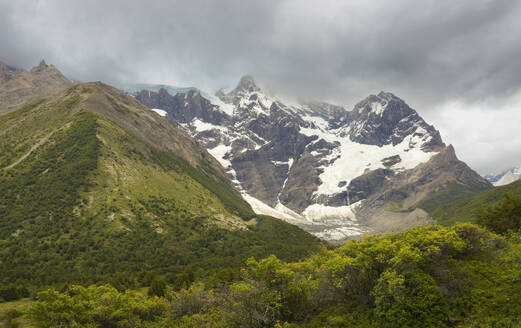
(486, 134)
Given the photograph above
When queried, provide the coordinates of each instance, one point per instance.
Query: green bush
(157, 288)
(95, 306)
(502, 216)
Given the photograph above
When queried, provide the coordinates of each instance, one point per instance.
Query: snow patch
(201, 126)
(159, 111)
(322, 212)
(378, 108)
(219, 153)
(289, 163)
(280, 211)
(214, 100)
(318, 121)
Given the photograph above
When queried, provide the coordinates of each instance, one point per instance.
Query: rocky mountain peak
(163, 92)
(386, 119)
(379, 104)
(4, 73)
(19, 86)
(505, 177)
(388, 96)
(449, 154)
(246, 84)
(41, 67)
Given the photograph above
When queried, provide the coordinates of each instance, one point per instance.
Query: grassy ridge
(456, 205)
(93, 204)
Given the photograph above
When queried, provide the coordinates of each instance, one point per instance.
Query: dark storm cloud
(431, 53)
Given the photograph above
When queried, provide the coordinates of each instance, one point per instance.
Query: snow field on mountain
(219, 152)
(351, 159)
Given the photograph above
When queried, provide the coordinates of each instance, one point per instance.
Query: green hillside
(96, 188)
(456, 205)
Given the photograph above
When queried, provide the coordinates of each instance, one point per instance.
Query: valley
(260, 164)
(168, 207)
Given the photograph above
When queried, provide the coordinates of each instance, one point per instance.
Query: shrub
(502, 216)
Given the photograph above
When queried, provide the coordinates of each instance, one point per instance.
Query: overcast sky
(457, 62)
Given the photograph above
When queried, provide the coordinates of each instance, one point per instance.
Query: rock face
(19, 87)
(386, 119)
(326, 168)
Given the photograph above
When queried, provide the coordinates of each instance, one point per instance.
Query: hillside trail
(40, 142)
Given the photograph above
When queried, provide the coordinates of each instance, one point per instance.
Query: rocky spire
(247, 84)
(42, 66)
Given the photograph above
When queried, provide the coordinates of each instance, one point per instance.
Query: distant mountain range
(334, 171)
(504, 177)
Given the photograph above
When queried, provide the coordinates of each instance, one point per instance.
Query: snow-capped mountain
(505, 177)
(331, 170)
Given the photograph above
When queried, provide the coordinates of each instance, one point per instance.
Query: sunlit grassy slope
(94, 187)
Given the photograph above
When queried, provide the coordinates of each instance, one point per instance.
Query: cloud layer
(456, 62)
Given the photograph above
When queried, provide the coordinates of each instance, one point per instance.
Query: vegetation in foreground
(432, 276)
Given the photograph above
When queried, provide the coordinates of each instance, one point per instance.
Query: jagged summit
(19, 86)
(246, 84)
(388, 95)
(4, 71)
(377, 104)
(386, 119)
(41, 67)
